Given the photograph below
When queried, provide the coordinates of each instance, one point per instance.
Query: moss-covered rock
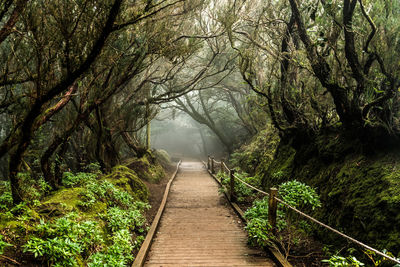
(60, 202)
(127, 179)
(147, 168)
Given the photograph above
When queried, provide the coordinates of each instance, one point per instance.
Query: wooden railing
(273, 201)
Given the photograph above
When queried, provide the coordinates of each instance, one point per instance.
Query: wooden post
(212, 165)
(272, 207)
(208, 162)
(222, 166)
(232, 185)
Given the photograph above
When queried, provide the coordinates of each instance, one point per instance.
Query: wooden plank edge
(277, 256)
(144, 249)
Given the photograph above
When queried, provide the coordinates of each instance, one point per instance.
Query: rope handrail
(218, 162)
(249, 185)
(315, 220)
(226, 167)
(336, 231)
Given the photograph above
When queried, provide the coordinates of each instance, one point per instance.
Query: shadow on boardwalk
(199, 228)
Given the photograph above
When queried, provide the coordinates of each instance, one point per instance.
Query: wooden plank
(198, 228)
(144, 249)
(276, 254)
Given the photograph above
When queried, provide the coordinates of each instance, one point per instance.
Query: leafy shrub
(258, 227)
(119, 219)
(56, 250)
(259, 231)
(70, 180)
(107, 192)
(138, 242)
(65, 240)
(118, 254)
(122, 244)
(299, 195)
(339, 261)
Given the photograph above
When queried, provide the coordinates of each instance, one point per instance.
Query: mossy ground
(360, 192)
(127, 179)
(18, 225)
(147, 168)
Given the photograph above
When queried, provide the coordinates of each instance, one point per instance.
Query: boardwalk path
(198, 227)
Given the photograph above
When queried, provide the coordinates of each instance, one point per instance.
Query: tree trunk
(139, 151)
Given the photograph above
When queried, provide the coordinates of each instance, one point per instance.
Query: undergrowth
(290, 229)
(104, 229)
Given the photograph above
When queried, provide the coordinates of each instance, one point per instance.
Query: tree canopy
(80, 79)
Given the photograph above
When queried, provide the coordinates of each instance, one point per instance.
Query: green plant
(105, 191)
(259, 231)
(118, 219)
(6, 200)
(378, 260)
(65, 240)
(30, 188)
(138, 242)
(93, 167)
(258, 228)
(299, 195)
(3, 245)
(241, 191)
(339, 261)
(55, 250)
(259, 210)
(118, 254)
(70, 180)
(44, 187)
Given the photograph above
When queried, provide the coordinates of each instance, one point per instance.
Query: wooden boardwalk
(199, 228)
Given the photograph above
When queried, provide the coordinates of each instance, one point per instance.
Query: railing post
(272, 207)
(212, 165)
(208, 162)
(232, 186)
(222, 166)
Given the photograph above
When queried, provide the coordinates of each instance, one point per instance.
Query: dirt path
(198, 227)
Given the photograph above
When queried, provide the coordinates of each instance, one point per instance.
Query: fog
(182, 137)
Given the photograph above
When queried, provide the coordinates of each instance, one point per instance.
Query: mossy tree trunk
(27, 127)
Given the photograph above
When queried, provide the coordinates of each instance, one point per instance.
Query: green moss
(61, 202)
(258, 153)
(97, 209)
(360, 193)
(280, 169)
(147, 168)
(128, 180)
(163, 157)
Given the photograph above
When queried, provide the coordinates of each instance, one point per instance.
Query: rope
(226, 167)
(249, 185)
(338, 232)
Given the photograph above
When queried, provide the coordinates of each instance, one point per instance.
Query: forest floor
(156, 192)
